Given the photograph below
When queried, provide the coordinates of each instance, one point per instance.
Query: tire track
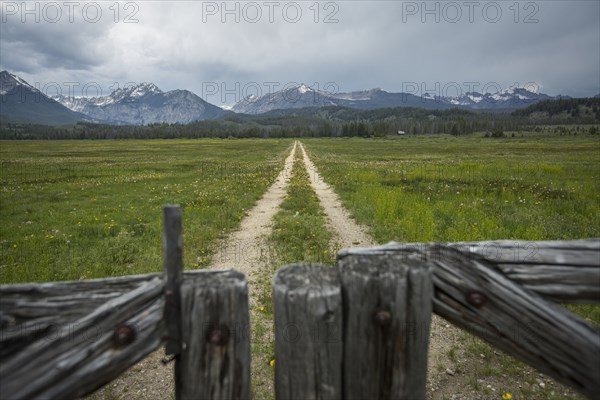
(350, 234)
(247, 251)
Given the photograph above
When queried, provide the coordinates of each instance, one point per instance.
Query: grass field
(422, 189)
(87, 209)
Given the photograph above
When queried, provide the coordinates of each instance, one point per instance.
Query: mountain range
(141, 104)
(303, 96)
(145, 103)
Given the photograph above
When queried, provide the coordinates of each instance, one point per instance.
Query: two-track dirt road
(248, 251)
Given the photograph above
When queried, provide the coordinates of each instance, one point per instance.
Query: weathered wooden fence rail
(355, 331)
(361, 330)
(63, 340)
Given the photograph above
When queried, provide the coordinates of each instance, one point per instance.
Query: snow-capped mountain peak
(358, 96)
(73, 103)
(143, 103)
(24, 103)
(144, 88)
(126, 94)
(9, 82)
(292, 96)
(135, 91)
(302, 88)
(512, 97)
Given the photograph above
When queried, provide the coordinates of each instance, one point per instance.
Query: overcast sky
(225, 51)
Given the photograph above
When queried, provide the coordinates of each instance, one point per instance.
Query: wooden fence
(355, 331)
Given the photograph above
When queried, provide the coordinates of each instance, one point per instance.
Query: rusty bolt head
(218, 336)
(123, 335)
(382, 317)
(476, 299)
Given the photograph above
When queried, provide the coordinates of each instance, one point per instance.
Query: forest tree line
(337, 122)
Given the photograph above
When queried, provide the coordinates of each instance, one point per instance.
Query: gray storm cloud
(354, 44)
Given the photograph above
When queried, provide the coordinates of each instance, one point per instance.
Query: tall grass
(299, 232)
(423, 189)
(77, 210)
(452, 189)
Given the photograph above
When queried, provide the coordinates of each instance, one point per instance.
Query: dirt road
(248, 251)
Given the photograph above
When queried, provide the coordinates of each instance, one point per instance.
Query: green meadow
(422, 189)
(89, 209)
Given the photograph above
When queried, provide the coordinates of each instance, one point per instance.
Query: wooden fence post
(207, 324)
(214, 362)
(387, 300)
(307, 304)
(172, 244)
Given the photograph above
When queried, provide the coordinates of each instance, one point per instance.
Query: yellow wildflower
(507, 396)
